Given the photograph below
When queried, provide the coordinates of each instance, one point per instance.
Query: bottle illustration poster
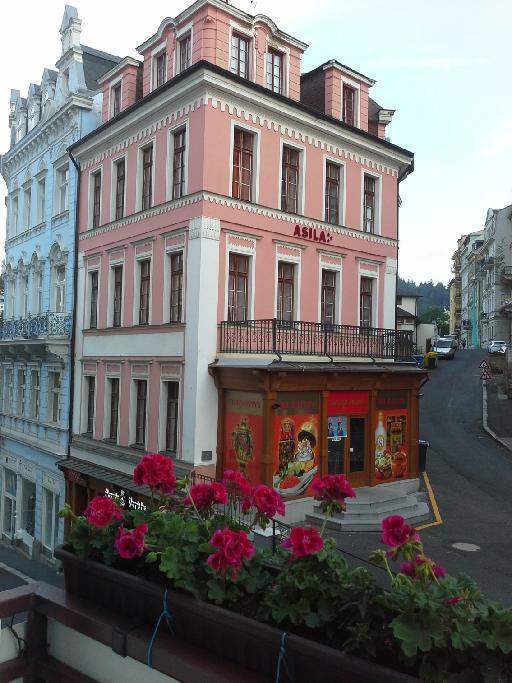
(296, 438)
(243, 434)
(391, 436)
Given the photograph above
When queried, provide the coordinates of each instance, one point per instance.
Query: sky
(443, 65)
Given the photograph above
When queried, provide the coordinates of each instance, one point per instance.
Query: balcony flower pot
(233, 637)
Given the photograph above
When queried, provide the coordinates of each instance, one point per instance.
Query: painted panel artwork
(243, 434)
(296, 437)
(391, 436)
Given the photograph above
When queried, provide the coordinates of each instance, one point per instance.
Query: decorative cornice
(26, 235)
(204, 227)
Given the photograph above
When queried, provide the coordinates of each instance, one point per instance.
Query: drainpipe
(73, 324)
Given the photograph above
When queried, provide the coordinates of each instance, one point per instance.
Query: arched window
(58, 261)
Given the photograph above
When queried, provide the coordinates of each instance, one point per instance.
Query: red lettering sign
(348, 402)
(312, 234)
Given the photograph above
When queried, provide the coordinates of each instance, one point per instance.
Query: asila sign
(312, 234)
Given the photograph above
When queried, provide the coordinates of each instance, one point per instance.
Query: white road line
(20, 575)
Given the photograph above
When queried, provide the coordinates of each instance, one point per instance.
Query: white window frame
(378, 201)
(106, 406)
(170, 159)
(55, 520)
(155, 53)
(113, 85)
(52, 393)
(111, 285)
(166, 310)
(255, 190)
(136, 292)
(297, 261)
(139, 177)
(85, 403)
(251, 253)
(41, 198)
(180, 34)
(343, 188)
(56, 286)
(247, 33)
(27, 206)
(375, 295)
(35, 394)
(285, 55)
(37, 290)
(24, 294)
(133, 408)
(21, 391)
(15, 215)
(113, 185)
(9, 390)
(356, 86)
(88, 297)
(283, 142)
(338, 284)
(60, 169)
(90, 208)
(162, 418)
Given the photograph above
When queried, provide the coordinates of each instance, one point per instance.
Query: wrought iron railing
(47, 324)
(507, 271)
(314, 339)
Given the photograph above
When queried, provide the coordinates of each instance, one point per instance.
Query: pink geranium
(204, 496)
(236, 484)
(267, 501)
(302, 542)
(102, 511)
(130, 543)
(422, 568)
(231, 547)
(332, 490)
(156, 471)
(396, 532)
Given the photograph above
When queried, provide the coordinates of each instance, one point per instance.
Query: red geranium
(236, 484)
(203, 496)
(230, 548)
(267, 501)
(157, 471)
(396, 532)
(332, 490)
(130, 543)
(302, 542)
(422, 568)
(102, 511)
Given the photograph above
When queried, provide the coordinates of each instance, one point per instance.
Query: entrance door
(357, 465)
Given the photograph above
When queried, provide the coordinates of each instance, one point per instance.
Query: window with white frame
(54, 388)
(144, 291)
(184, 52)
(141, 397)
(238, 286)
(24, 294)
(20, 392)
(349, 105)
(27, 208)
(286, 284)
(275, 71)
(90, 402)
(93, 299)
(243, 164)
(120, 177)
(328, 297)
(371, 203)
(59, 273)
(333, 193)
(28, 506)
(37, 285)
(35, 389)
(95, 201)
(171, 416)
(240, 51)
(50, 521)
(117, 295)
(366, 295)
(12, 297)
(112, 409)
(147, 177)
(10, 495)
(290, 179)
(14, 216)
(62, 188)
(7, 406)
(115, 99)
(176, 280)
(179, 161)
(41, 198)
(159, 69)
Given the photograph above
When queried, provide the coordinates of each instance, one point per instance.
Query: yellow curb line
(433, 503)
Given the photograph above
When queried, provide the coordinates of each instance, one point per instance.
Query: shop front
(283, 423)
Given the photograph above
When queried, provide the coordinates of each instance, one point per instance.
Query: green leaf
(416, 634)
(151, 557)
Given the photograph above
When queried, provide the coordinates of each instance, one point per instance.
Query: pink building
(233, 212)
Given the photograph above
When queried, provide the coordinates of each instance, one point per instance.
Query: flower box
(231, 636)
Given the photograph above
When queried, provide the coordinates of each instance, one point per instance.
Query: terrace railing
(49, 324)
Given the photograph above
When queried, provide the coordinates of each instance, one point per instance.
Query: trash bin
(431, 360)
(419, 360)
(422, 455)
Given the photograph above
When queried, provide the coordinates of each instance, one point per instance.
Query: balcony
(279, 337)
(47, 324)
(506, 274)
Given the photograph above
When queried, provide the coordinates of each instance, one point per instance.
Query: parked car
(445, 347)
(454, 338)
(496, 346)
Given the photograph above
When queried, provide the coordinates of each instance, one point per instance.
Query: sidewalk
(497, 413)
(25, 569)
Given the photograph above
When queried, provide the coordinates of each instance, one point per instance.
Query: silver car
(496, 346)
(445, 348)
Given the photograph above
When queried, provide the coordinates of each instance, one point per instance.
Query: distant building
(468, 248)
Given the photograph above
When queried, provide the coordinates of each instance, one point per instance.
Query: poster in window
(243, 434)
(391, 436)
(296, 442)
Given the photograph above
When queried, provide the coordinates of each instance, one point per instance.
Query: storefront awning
(88, 473)
(269, 365)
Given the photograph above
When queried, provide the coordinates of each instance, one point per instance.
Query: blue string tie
(168, 618)
(281, 661)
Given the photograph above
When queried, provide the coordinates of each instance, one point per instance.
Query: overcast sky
(443, 65)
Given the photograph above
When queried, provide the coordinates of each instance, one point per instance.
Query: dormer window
(239, 63)
(185, 52)
(159, 66)
(349, 105)
(116, 99)
(275, 71)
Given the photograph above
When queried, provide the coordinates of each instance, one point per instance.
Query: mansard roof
(96, 63)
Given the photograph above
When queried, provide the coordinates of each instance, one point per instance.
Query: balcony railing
(47, 324)
(507, 272)
(299, 338)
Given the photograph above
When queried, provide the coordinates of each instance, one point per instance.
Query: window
(41, 192)
(171, 420)
(369, 204)
(10, 496)
(332, 193)
(96, 199)
(62, 186)
(60, 288)
(34, 394)
(28, 506)
(240, 55)
(285, 290)
(114, 409)
(147, 177)
(116, 99)
(14, 216)
(185, 51)
(12, 297)
(238, 287)
(54, 397)
(243, 145)
(24, 295)
(140, 415)
(50, 518)
(118, 296)
(176, 287)
(275, 71)
(20, 393)
(38, 291)
(91, 388)
(178, 164)
(349, 105)
(290, 180)
(120, 181)
(145, 286)
(27, 208)
(93, 288)
(8, 391)
(160, 69)
(366, 303)
(328, 298)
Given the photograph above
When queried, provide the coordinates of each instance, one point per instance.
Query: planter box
(229, 635)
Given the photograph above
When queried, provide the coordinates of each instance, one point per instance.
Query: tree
(438, 315)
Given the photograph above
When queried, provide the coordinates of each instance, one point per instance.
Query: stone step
(414, 513)
(355, 506)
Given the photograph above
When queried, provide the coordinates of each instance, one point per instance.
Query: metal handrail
(49, 324)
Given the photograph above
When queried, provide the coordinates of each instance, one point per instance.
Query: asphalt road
(471, 476)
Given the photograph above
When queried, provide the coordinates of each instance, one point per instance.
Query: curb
(484, 419)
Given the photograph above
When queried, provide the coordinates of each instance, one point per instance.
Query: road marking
(433, 503)
(20, 575)
(467, 547)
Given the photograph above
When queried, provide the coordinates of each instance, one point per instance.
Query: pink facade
(159, 188)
